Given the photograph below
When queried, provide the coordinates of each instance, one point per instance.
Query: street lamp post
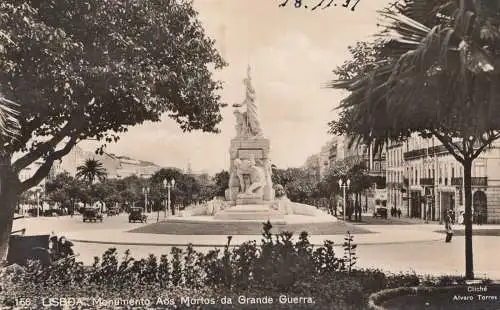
(344, 185)
(168, 185)
(37, 204)
(145, 191)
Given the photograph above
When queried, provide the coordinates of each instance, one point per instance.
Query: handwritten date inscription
(323, 4)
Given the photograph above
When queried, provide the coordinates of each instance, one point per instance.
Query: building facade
(338, 152)
(425, 180)
(116, 166)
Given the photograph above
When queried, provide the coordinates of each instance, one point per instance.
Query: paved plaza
(393, 248)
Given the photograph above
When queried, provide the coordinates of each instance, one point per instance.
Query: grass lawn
(475, 232)
(246, 228)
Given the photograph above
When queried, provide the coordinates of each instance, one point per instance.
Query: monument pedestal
(243, 148)
(249, 201)
(249, 212)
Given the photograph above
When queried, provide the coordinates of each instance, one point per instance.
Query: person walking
(448, 228)
(461, 218)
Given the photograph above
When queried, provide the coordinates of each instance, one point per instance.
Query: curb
(235, 245)
(376, 299)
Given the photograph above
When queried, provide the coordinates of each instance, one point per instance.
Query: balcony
(376, 173)
(427, 181)
(440, 149)
(476, 181)
(414, 154)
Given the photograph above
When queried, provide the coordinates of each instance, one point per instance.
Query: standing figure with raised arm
(250, 116)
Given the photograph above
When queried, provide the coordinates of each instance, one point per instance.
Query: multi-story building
(425, 180)
(312, 167)
(338, 152)
(116, 166)
(395, 176)
(319, 164)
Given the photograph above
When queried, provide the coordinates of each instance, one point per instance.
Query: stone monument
(250, 168)
(250, 189)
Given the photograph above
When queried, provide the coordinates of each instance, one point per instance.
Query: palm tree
(436, 71)
(91, 170)
(9, 124)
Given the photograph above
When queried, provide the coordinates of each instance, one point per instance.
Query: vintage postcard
(249, 154)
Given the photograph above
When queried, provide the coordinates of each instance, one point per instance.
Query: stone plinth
(249, 212)
(245, 148)
(249, 201)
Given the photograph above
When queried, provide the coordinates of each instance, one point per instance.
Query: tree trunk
(9, 195)
(469, 262)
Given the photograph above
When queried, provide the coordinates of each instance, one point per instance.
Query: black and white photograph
(250, 154)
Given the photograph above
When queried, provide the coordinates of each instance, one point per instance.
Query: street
(424, 257)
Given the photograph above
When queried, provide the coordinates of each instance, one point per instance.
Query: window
(452, 172)
(479, 170)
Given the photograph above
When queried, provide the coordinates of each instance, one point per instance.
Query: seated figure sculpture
(253, 170)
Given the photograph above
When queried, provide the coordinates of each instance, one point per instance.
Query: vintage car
(380, 212)
(136, 215)
(92, 215)
(113, 211)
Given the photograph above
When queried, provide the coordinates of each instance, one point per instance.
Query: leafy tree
(302, 189)
(129, 196)
(91, 69)
(186, 189)
(286, 176)
(100, 191)
(66, 190)
(360, 179)
(298, 184)
(436, 74)
(91, 170)
(207, 187)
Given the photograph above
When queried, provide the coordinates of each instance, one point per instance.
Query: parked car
(92, 215)
(136, 215)
(380, 212)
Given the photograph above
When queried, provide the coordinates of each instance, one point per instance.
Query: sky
(292, 52)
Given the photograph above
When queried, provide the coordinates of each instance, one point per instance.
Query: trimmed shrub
(276, 267)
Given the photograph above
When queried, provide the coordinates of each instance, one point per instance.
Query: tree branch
(42, 149)
(44, 169)
(449, 145)
(486, 142)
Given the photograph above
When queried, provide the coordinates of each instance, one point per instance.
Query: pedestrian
(399, 212)
(448, 228)
(461, 218)
(65, 247)
(357, 211)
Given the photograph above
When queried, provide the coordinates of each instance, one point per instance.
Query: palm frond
(9, 122)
